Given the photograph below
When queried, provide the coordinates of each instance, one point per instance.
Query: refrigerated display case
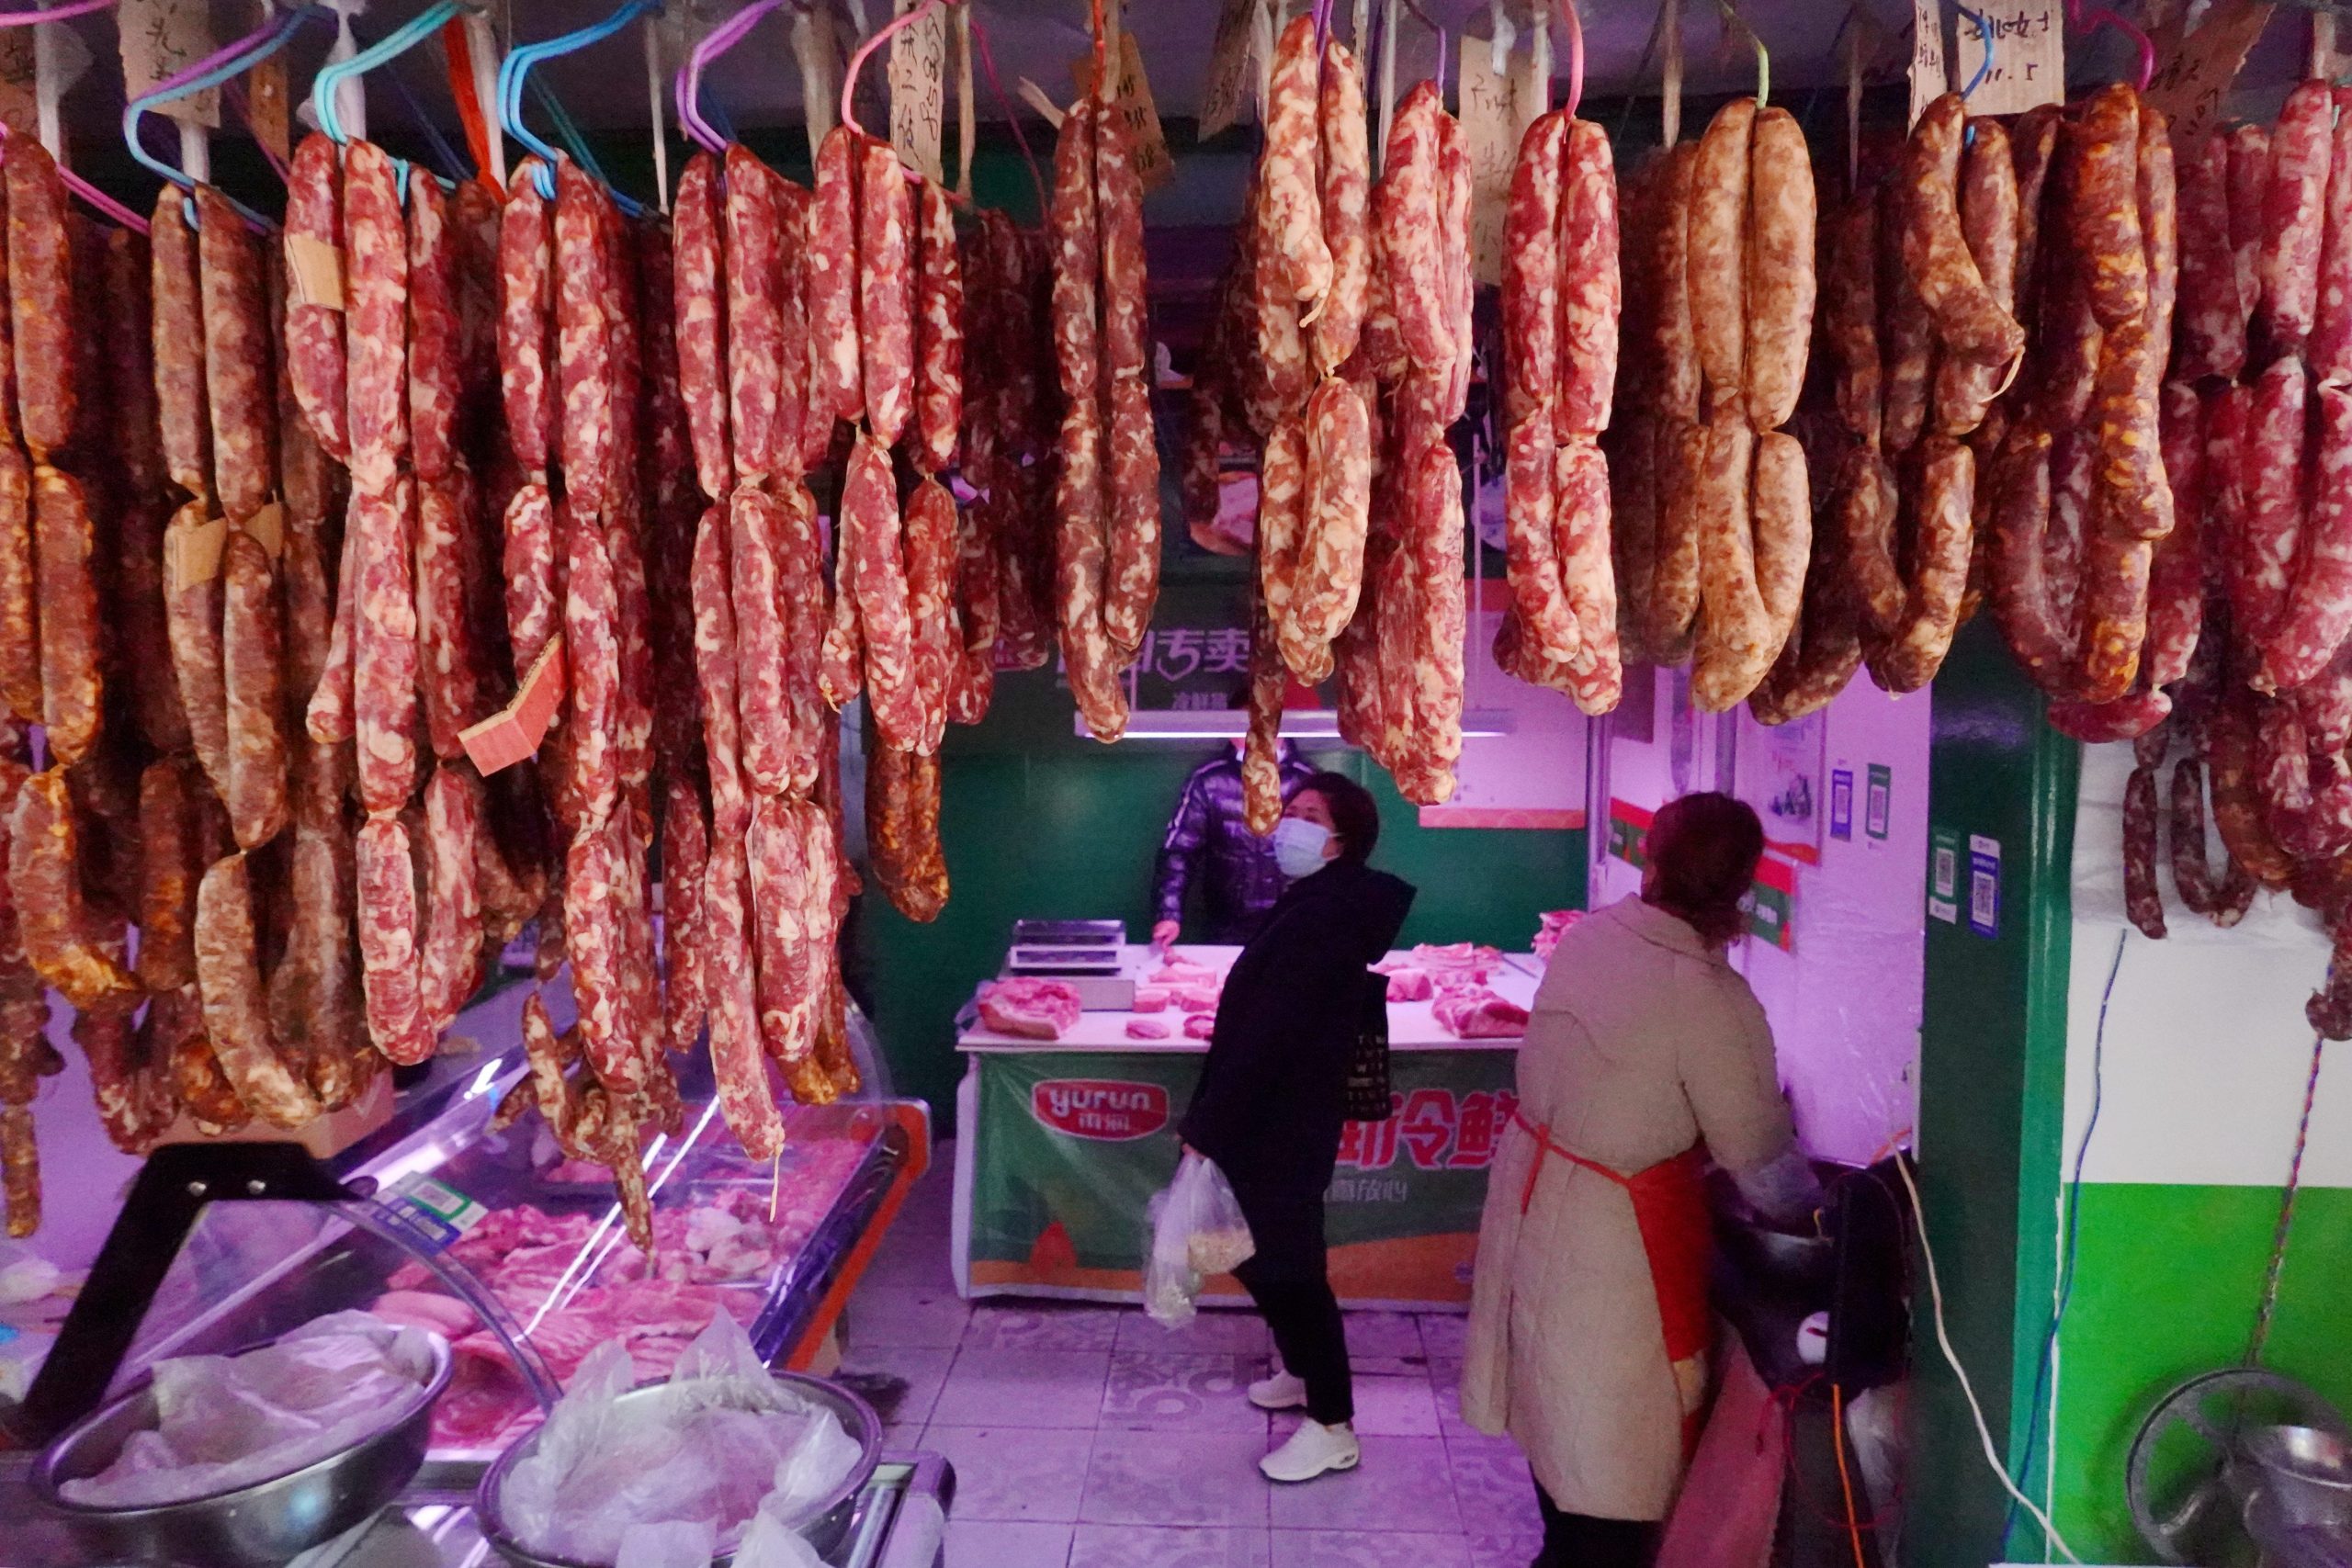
(518, 1257)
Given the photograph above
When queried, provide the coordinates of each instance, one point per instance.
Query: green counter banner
(1070, 1146)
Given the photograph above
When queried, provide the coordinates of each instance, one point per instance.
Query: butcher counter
(1064, 1141)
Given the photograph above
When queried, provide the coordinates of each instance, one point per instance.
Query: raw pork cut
(1028, 1008)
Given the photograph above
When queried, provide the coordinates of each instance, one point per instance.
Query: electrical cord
(1968, 1391)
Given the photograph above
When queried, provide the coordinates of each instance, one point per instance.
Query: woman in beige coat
(1646, 1055)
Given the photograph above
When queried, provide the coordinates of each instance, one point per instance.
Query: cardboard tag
(2192, 84)
(268, 527)
(2029, 49)
(2327, 60)
(314, 271)
(515, 731)
(919, 90)
(1931, 61)
(267, 106)
(1131, 96)
(1227, 83)
(19, 103)
(159, 39)
(1037, 98)
(192, 551)
(1493, 119)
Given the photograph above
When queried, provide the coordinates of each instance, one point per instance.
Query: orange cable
(1845, 1478)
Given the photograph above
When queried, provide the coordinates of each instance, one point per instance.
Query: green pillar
(1992, 1087)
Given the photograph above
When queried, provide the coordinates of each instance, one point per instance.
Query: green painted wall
(1038, 822)
(1991, 1080)
(2199, 1252)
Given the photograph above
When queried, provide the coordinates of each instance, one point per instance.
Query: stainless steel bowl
(2307, 1472)
(822, 1524)
(261, 1525)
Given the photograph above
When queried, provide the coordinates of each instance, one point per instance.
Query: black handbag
(1367, 1098)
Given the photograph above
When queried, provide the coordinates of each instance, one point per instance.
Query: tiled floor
(1092, 1438)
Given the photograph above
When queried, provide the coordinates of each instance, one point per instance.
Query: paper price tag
(1227, 83)
(19, 99)
(2192, 81)
(267, 103)
(2029, 49)
(919, 90)
(162, 37)
(268, 527)
(515, 731)
(1493, 117)
(1131, 96)
(192, 547)
(1931, 70)
(314, 271)
(2327, 59)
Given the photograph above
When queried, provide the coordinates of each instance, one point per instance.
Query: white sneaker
(1314, 1450)
(1281, 1391)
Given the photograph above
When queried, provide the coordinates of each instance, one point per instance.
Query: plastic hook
(515, 70)
(1575, 55)
(398, 42)
(2083, 22)
(895, 24)
(724, 37)
(57, 14)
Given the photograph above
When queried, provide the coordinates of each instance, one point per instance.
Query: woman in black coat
(1268, 1107)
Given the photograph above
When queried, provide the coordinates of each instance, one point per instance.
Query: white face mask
(1299, 845)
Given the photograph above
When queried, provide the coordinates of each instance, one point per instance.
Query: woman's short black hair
(1703, 850)
(1355, 816)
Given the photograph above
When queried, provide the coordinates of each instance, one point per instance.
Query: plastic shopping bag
(1196, 1231)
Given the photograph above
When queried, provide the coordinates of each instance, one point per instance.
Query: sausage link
(1676, 371)
(1590, 296)
(180, 397)
(1850, 317)
(1119, 200)
(375, 248)
(1969, 321)
(1820, 657)
(716, 674)
(835, 352)
(800, 577)
(703, 357)
(314, 333)
(2114, 614)
(780, 941)
(587, 381)
(1346, 207)
(1778, 264)
(760, 699)
(1461, 289)
(1405, 221)
(1546, 622)
(72, 686)
(2317, 612)
(45, 885)
(754, 326)
(251, 656)
(1289, 171)
(528, 555)
(1719, 177)
(236, 1015)
(1336, 512)
(2330, 349)
(2102, 186)
(388, 942)
(879, 579)
(1282, 534)
(2237, 807)
(527, 319)
(449, 675)
(20, 675)
(236, 357)
(1632, 450)
(384, 649)
(592, 660)
(736, 1061)
(2040, 633)
(1945, 533)
(591, 931)
(2143, 902)
(41, 298)
(1988, 223)
(1676, 584)
(1278, 387)
(886, 290)
(193, 616)
(1908, 334)
(312, 990)
(939, 371)
(1131, 568)
(449, 965)
(2249, 190)
(2177, 578)
(2212, 316)
(435, 388)
(2033, 152)
(1587, 579)
(841, 666)
(2294, 210)
(170, 864)
(2271, 467)
(633, 719)
(2224, 897)
(1076, 229)
(1531, 275)
(1439, 611)
(1780, 506)
(1731, 656)
(690, 965)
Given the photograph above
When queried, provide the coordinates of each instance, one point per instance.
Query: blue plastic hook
(515, 70)
(250, 51)
(396, 43)
(1984, 66)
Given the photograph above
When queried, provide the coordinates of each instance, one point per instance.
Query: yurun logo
(1107, 1111)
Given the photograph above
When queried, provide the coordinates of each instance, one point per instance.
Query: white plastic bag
(1196, 1231)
